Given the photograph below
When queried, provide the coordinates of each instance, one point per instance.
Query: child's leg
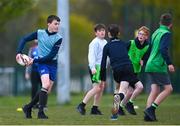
(127, 96)
(34, 83)
(150, 110)
(50, 87)
(137, 91)
(118, 97)
(88, 96)
(164, 94)
(130, 106)
(91, 93)
(43, 96)
(123, 87)
(98, 95)
(155, 90)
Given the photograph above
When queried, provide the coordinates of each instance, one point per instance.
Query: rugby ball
(23, 59)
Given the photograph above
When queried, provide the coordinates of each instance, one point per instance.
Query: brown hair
(113, 29)
(52, 17)
(166, 19)
(99, 27)
(145, 30)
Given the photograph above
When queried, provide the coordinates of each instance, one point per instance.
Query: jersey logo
(43, 70)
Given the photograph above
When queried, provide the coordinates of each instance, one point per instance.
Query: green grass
(167, 113)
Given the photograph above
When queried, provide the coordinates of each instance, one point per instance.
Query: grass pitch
(167, 113)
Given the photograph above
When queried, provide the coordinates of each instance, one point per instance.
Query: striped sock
(154, 105)
(43, 97)
(121, 105)
(131, 101)
(83, 104)
(121, 95)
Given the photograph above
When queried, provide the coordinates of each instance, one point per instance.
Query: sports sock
(121, 105)
(43, 96)
(121, 95)
(83, 104)
(34, 101)
(131, 101)
(154, 105)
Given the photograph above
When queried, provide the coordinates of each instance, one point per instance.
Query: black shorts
(132, 84)
(125, 74)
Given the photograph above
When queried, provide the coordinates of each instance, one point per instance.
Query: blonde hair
(145, 30)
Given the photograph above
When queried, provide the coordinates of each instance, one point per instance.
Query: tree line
(19, 17)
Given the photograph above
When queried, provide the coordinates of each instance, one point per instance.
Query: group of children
(126, 60)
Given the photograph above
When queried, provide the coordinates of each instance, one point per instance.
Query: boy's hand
(171, 68)
(30, 62)
(141, 62)
(18, 56)
(93, 71)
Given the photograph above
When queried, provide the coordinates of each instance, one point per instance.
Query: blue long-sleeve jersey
(164, 45)
(118, 54)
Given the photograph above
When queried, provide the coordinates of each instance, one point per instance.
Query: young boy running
(32, 73)
(137, 49)
(49, 42)
(94, 58)
(121, 65)
(157, 67)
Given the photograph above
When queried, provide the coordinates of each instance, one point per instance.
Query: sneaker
(130, 108)
(81, 110)
(41, 115)
(150, 112)
(27, 112)
(116, 103)
(96, 112)
(147, 119)
(121, 111)
(114, 117)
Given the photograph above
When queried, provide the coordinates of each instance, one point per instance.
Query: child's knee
(102, 87)
(141, 87)
(129, 91)
(97, 88)
(170, 89)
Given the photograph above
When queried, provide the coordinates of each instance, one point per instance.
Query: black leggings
(35, 83)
